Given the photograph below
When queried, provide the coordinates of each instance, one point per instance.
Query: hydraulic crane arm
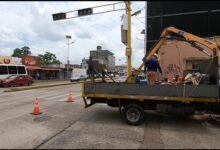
(192, 39)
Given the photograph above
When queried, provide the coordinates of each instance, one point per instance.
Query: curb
(43, 81)
(39, 87)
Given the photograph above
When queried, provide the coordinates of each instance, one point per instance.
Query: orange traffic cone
(36, 110)
(70, 98)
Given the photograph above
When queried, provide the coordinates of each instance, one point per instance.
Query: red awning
(33, 68)
(53, 69)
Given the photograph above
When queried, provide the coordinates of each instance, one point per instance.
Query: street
(38, 83)
(70, 125)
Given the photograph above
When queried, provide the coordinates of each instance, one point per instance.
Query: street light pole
(68, 61)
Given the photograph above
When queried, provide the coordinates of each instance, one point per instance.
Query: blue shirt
(152, 64)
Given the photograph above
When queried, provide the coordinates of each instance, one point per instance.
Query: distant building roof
(103, 51)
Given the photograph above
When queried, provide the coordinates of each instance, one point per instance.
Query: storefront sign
(30, 61)
(10, 60)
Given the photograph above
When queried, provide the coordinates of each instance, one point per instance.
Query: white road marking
(61, 100)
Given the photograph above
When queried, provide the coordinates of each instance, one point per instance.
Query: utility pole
(128, 49)
(68, 61)
(145, 33)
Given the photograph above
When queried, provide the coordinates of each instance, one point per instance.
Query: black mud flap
(86, 104)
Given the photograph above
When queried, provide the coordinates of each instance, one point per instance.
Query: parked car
(16, 80)
(74, 78)
(122, 78)
(84, 77)
(117, 76)
(112, 75)
(78, 78)
(142, 79)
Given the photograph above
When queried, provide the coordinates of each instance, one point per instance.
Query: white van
(8, 69)
(78, 74)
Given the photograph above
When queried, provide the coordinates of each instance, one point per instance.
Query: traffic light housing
(59, 16)
(83, 12)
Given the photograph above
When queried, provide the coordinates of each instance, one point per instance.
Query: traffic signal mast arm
(87, 11)
(90, 11)
(192, 39)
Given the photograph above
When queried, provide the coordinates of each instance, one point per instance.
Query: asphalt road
(41, 83)
(70, 125)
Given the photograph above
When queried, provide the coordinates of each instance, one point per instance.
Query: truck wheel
(133, 114)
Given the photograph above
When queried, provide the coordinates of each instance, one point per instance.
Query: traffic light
(124, 36)
(59, 16)
(87, 11)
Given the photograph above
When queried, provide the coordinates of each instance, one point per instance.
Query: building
(104, 57)
(84, 63)
(97, 65)
(197, 18)
(76, 66)
(52, 71)
(10, 60)
(46, 72)
(32, 65)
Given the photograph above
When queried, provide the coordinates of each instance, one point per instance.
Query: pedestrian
(151, 67)
(37, 76)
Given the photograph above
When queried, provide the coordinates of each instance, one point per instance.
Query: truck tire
(133, 114)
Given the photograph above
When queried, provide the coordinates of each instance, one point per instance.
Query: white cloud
(31, 24)
(7, 36)
(6, 51)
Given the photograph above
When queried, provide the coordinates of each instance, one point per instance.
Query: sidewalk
(41, 84)
(49, 82)
(52, 80)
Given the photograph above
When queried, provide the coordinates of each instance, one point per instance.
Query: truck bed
(208, 92)
(203, 93)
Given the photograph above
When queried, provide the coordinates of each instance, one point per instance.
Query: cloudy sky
(30, 24)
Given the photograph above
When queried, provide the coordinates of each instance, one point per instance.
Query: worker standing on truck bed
(152, 64)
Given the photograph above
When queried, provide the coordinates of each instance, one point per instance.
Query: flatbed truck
(133, 98)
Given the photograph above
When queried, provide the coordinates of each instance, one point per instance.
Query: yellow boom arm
(192, 39)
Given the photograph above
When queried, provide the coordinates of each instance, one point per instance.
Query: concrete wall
(84, 64)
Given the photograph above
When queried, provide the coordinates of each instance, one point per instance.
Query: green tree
(48, 58)
(21, 52)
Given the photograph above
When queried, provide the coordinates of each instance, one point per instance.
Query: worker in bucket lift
(150, 68)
